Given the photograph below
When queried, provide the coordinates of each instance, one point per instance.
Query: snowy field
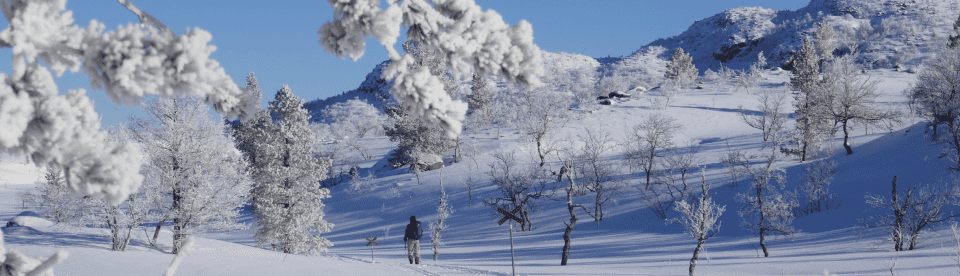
(629, 241)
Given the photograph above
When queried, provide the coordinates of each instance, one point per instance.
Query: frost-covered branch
(470, 39)
(134, 61)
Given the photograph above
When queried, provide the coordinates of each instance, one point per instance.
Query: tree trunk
(569, 230)
(696, 256)
(803, 152)
(846, 139)
(540, 152)
(763, 220)
(897, 231)
(156, 233)
(763, 244)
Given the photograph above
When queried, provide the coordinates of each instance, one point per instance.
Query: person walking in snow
(412, 238)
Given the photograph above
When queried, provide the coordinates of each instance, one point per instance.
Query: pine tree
(811, 104)
(480, 97)
(681, 69)
(288, 200)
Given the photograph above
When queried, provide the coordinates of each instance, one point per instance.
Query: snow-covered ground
(629, 241)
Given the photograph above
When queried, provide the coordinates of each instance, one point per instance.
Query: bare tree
(853, 96)
(646, 139)
(816, 186)
(519, 186)
(700, 219)
(913, 211)
(542, 112)
(766, 209)
(597, 175)
(770, 114)
(670, 185)
(569, 165)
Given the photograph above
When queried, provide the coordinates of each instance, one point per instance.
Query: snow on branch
(134, 61)
(470, 39)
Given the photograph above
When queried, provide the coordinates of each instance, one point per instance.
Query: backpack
(419, 234)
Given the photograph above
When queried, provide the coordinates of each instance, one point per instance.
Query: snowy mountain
(886, 32)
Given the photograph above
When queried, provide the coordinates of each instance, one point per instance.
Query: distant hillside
(887, 32)
(376, 90)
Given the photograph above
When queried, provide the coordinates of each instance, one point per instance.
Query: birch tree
(569, 165)
(766, 208)
(935, 96)
(914, 211)
(196, 178)
(518, 186)
(700, 219)
(770, 112)
(853, 95)
(644, 141)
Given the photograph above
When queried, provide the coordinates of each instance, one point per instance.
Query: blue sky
(277, 39)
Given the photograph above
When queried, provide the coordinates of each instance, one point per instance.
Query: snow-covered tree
(518, 185)
(569, 165)
(912, 212)
(644, 141)
(287, 196)
(54, 198)
(824, 37)
(700, 219)
(539, 115)
(955, 39)
(443, 212)
(770, 114)
(480, 96)
(816, 186)
(813, 122)
(134, 61)
(197, 177)
(767, 208)
(469, 39)
(414, 138)
(353, 119)
(935, 96)
(681, 70)
(853, 95)
(597, 174)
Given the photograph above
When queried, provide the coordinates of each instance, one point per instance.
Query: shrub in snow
(443, 212)
(134, 61)
(470, 40)
(414, 139)
(816, 186)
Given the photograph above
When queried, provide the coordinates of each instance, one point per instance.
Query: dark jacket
(414, 232)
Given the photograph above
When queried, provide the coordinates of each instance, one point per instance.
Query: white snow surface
(629, 241)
